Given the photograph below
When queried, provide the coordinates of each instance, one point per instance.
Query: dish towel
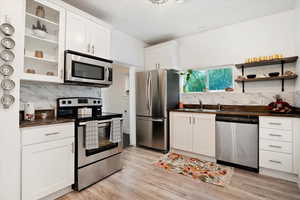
(91, 135)
(116, 130)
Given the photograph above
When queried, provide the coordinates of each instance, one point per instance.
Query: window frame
(207, 79)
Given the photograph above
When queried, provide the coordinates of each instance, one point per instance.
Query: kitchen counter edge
(27, 124)
(242, 113)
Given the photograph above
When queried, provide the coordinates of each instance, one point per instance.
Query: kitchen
(249, 37)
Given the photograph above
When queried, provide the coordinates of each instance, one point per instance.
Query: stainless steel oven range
(102, 160)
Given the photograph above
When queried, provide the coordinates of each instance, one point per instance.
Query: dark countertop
(234, 112)
(41, 122)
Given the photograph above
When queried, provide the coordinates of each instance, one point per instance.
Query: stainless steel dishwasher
(237, 141)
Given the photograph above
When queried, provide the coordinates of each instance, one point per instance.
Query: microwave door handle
(107, 73)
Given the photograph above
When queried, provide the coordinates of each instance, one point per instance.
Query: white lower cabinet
(182, 131)
(47, 166)
(279, 145)
(193, 133)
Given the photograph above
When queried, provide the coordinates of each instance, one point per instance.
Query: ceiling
(154, 24)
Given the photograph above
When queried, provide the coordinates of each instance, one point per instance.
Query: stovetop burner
(83, 109)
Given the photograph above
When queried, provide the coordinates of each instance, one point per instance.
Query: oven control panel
(79, 102)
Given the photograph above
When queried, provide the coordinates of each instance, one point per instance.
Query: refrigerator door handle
(147, 92)
(150, 91)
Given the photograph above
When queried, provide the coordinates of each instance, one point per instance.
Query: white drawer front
(276, 161)
(47, 133)
(274, 134)
(276, 123)
(281, 147)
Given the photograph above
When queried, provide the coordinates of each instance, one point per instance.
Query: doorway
(118, 98)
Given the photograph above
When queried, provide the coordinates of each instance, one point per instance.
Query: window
(203, 80)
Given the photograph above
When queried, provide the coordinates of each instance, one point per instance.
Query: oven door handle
(99, 122)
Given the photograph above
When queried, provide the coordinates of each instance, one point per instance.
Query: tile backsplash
(44, 95)
(236, 98)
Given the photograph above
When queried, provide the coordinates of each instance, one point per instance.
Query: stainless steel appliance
(237, 141)
(86, 69)
(157, 91)
(91, 165)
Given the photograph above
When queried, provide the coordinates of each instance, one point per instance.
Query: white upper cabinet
(76, 34)
(86, 36)
(100, 40)
(44, 41)
(164, 56)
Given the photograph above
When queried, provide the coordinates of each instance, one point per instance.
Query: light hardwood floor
(140, 180)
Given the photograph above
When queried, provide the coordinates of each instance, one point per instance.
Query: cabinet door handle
(50, 134)
(93, 49)
(194, 120)
(89, 48)
(275, 123)
(275, 135)
(275, 146)
(190, 119)
(73, 149)
(275, 161)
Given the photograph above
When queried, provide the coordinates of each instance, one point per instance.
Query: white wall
(9, 119)
(297, 88)
(233, 44)
(126, 49)
(297, 46)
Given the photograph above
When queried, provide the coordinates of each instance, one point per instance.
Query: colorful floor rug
(208, 172)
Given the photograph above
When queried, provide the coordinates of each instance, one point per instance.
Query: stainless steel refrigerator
(157, 91)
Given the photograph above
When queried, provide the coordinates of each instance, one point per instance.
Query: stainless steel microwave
(87, 70)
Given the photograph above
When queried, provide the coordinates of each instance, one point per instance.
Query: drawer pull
(275, 135)
(275, 146)
(274, 123)
(50, 134)
(274, 161)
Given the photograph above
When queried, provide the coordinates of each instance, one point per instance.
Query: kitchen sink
(198, 110)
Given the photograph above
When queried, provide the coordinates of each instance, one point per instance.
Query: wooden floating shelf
(268, 62)
(268, 78)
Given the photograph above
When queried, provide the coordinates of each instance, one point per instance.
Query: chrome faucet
(200, 103)
(219, 107)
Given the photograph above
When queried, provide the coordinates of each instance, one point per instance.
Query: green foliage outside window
(203, 80)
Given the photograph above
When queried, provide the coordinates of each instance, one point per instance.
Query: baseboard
(58, 194)
(280, 175)
(193, 155)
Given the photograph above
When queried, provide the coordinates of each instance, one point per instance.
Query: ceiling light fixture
(179, 1)
(159, 2)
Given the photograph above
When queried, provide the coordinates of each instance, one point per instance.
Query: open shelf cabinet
(49, 67)
(274, 62)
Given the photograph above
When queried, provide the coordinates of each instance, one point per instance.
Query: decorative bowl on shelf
(39, 33)
(274, 74)
(251, 76)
